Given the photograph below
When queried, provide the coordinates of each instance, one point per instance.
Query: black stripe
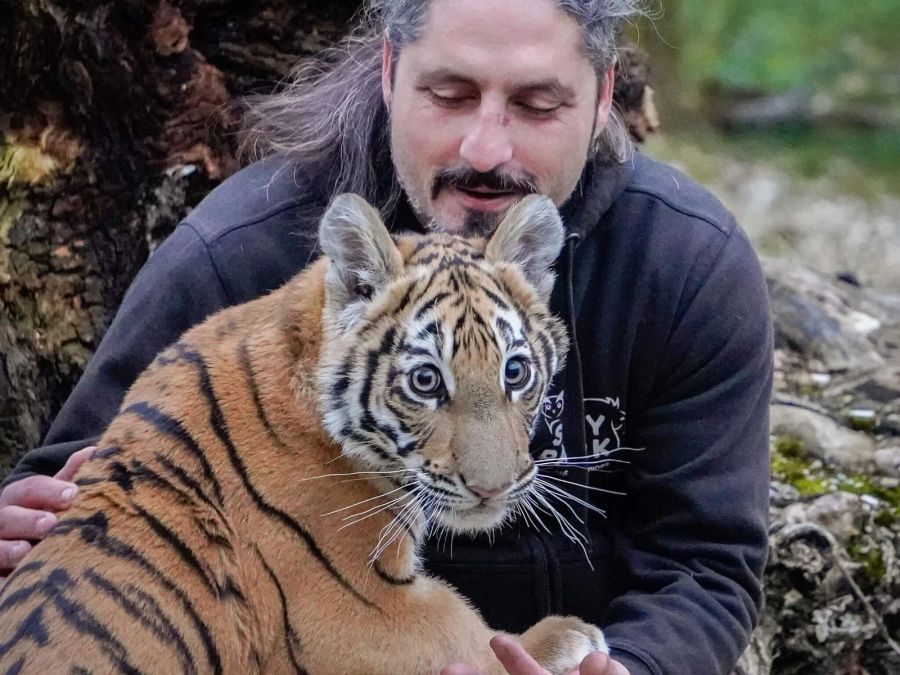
(435, 488)
(398, 391)
(496, 299)
(428, 306)
(138, 471)
(425, 241)
(430, 330)
(184, 552)
(172, 427)
(430, 258)
(404, 301)
(507, 291)
(84, 482)
(182, 476)
(459, 340)
(391, 311)
(425, 289)
(105, 453)
(367, 423)
(143, 608)
(24, 569)
(394, 581)
(77, 616)
(217, 422)
(437, 477)
(94, 530)
(250, 373)
(357, 437)
(506, 330)
(291, 640)
(48, 585)
(398, 415)
(31, 628)
(121, 476)
(415, 351)
(16, 668)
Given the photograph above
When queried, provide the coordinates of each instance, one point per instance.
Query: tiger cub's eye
(517, 372)
(426, 380)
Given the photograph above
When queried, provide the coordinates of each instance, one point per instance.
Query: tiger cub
(223, 528)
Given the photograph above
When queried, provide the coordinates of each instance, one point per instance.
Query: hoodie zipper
(542, 570)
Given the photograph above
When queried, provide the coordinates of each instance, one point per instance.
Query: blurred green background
(790, 112)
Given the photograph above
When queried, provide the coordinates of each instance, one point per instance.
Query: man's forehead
(527, 32)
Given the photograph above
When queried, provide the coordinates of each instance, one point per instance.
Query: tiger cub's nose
(486, 493)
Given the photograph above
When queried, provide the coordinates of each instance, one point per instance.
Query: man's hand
(28, 508)
(517, 662)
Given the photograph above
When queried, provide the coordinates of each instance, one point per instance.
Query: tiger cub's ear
(531, 236)
(363, 257)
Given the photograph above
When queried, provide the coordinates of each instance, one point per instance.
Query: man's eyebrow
(551, 86)
(443, 76)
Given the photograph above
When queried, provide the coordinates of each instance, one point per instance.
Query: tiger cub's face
(437, 353)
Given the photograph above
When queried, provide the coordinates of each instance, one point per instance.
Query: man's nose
(487, 144)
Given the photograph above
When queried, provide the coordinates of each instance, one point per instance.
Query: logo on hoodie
(551, 414)
(604, 422)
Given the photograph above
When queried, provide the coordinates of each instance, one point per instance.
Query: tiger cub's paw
(560, 643)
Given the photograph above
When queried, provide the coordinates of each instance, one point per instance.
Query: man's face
(495, 100)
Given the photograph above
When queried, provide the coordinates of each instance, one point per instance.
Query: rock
(822, 320)
(875, 389)
(888, 461)
(841, 513)
(823, 437)
(862, 419)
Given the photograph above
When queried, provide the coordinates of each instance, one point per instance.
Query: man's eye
(448, 101)
(539, 111)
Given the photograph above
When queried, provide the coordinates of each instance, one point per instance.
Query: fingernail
(19, 549)
(45, 524)
(68, 494)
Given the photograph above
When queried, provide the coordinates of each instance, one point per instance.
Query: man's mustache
(468, 178)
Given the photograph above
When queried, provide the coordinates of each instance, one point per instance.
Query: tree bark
(117, 117)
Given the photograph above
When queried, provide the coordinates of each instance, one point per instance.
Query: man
(444, 113)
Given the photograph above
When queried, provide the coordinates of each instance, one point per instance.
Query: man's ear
(606, 86)
(387, 85)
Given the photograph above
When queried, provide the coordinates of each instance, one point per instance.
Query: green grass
(857, 162)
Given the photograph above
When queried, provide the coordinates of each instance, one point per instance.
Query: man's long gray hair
(329, 120)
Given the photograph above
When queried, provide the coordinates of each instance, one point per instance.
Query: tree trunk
(117, 117)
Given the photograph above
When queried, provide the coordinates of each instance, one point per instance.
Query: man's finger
(459, 669)
(11, 554)
(17, 522)
(76, 459)
(514, 657)
(599, 663)
(39, 492)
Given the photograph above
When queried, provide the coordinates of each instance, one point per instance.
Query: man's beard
(482, 223)
(476, 222)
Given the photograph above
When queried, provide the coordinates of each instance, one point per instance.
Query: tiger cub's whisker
(378, 496)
